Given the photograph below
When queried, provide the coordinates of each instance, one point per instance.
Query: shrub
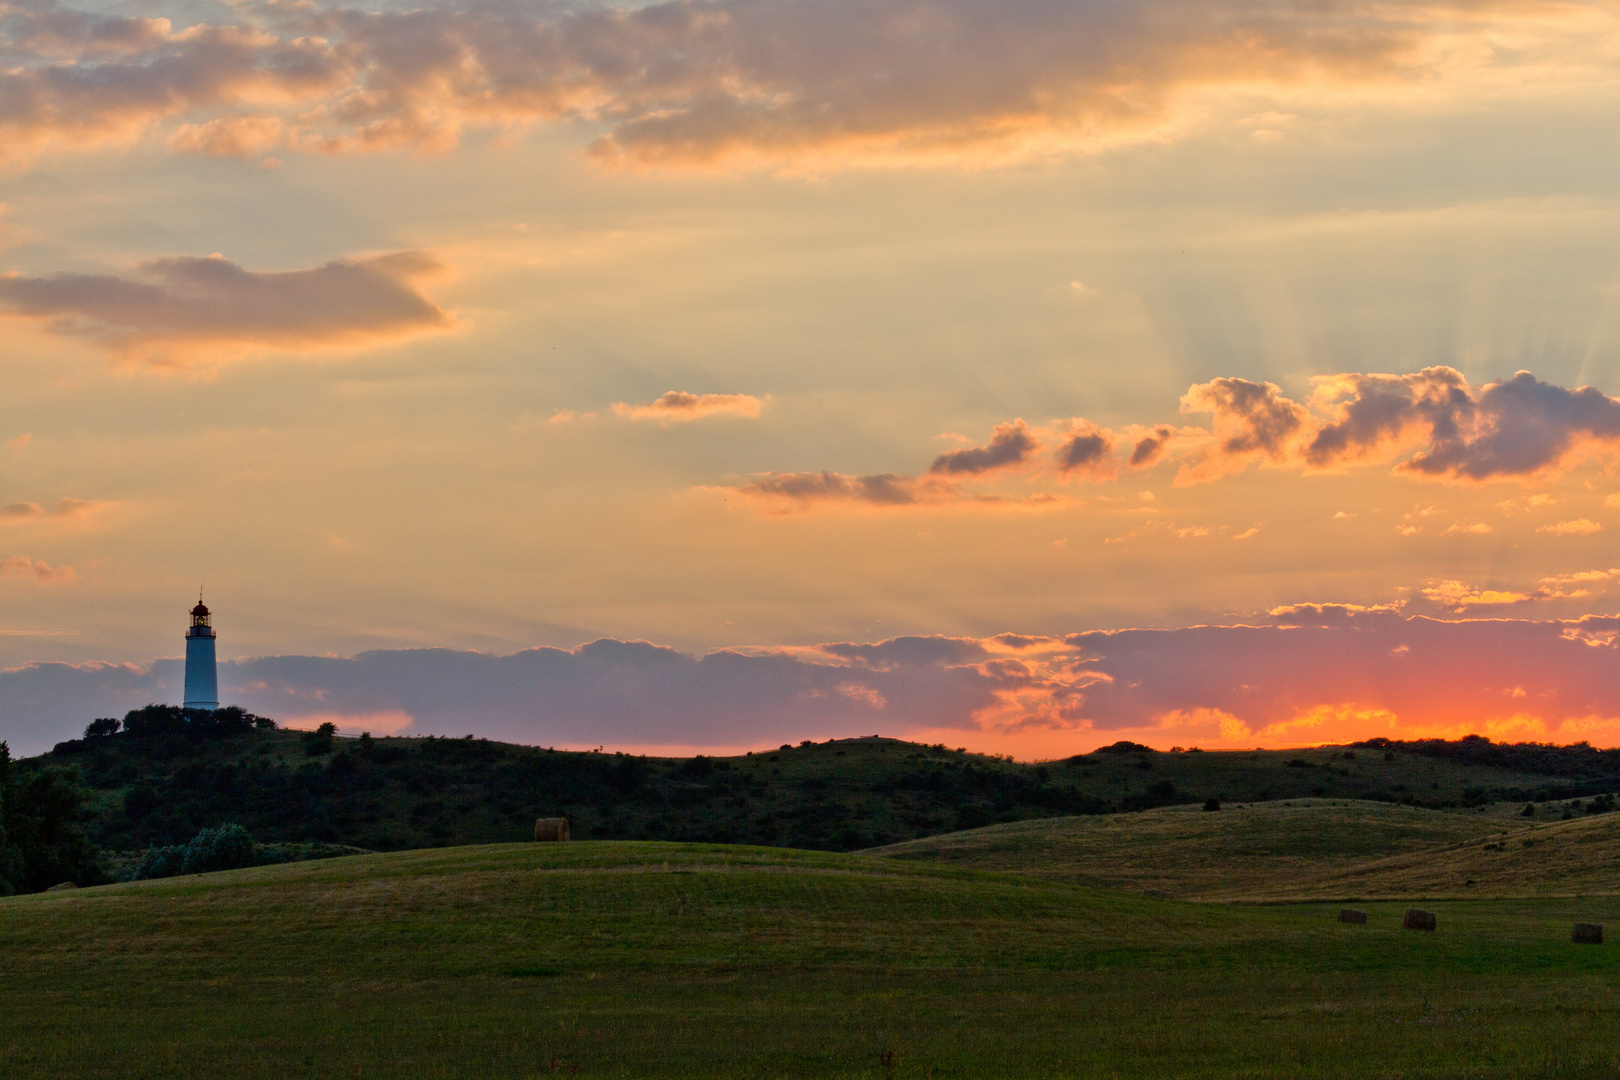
(1529, 810)
(319, 741)
(160, 862)
(224, 847)
(1212, 804)
(100, 729)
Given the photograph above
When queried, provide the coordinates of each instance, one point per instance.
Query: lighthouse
(202, 683)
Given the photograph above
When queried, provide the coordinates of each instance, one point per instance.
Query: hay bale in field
(551, 829)
(64, 887)
(1587, 933)
(1419, 920)
(1351, 915)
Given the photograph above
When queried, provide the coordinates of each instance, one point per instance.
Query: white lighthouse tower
(202, 682)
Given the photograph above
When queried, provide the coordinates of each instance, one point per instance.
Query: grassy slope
(1313, 849)
(1567, 858)
(1245, 850)
(636, 959)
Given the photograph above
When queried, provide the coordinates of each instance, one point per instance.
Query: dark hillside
(166, 774)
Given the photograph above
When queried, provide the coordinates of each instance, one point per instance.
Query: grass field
(1308, 849)
(672, 960)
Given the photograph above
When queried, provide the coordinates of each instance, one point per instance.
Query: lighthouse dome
(199, 609)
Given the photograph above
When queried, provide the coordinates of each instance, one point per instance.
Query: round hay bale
(64, 887)
(1419, 920)
(551, 829)
(1351, 915)
(1587, 933)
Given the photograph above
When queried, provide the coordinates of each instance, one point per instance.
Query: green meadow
(605, 958)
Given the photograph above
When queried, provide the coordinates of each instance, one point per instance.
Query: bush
(1529, 810)
(1212, 804)
(100, 729)
(224, 847)
(160, 862)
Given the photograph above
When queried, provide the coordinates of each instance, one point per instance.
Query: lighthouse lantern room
(202, 682)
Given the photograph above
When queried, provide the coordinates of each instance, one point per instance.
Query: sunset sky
(1016, 374)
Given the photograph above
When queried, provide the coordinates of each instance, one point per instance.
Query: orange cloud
(688, 82)
(677, 406)
(176, 308)
(1578, 527)
(1459, 597)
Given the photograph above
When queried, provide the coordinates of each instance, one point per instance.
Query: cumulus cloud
(1518, 428)
(1087, 452)
(677, 406)
(174, 307)
(688, 82)
(1011, 445)
(36, 571)
(1252, 422)
(1149, 448)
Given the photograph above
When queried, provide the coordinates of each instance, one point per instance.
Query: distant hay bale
(66, 885)
(1419, 920)
(1351, 915)
(551, 829)
(1587, 933)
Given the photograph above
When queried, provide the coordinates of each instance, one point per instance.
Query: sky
(700, 376)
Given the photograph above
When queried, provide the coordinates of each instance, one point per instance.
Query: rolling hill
(676, 960)
(169, 778)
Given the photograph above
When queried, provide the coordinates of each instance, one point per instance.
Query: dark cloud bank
(1424, 671)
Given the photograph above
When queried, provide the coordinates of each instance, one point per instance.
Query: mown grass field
(675, 960)
(1306, 849)
(1244, 851)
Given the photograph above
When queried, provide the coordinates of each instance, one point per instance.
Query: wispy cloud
(36, 571)
(64, 510)
(174, 308)
(678, 406)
